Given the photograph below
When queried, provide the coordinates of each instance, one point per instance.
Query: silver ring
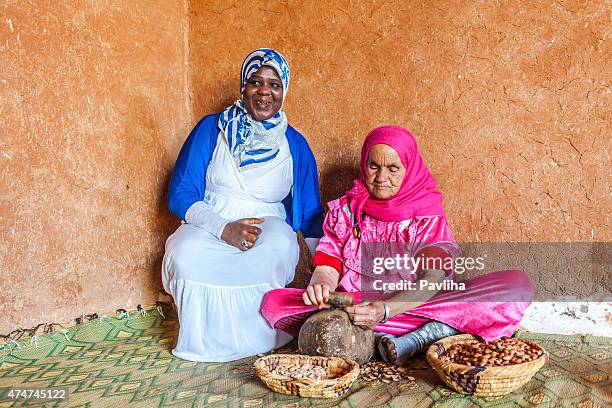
(244, 244)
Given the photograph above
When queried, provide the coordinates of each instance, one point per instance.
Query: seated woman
(244, 183)
(396, 202)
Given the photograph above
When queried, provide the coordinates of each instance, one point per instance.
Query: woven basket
(342, 373)
(491, 381)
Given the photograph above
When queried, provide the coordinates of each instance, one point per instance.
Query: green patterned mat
(120, 362)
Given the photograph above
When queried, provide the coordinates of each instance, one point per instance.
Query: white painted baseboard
(569, 318)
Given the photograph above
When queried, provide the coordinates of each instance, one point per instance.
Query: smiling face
(263, 93)
(384, 172)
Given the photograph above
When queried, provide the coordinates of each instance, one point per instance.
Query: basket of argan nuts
(485, 369)
(307, 376)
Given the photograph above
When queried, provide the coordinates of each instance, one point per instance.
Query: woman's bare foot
(390, 346)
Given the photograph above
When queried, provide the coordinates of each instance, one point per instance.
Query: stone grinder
(330, 333)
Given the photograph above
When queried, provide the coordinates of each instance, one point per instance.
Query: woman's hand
(317, 294)
(366, 314)
(242, 231)
(324, 280)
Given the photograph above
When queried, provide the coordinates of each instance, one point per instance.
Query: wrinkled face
(263, 93)
(384, 172)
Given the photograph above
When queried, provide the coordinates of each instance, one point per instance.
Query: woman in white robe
(244, 183)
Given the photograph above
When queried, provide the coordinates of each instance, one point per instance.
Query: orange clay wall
(509, 100)
(93, 110)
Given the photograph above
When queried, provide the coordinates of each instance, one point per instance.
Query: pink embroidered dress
(414, 220)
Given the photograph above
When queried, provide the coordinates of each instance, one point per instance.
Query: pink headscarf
(417, 196)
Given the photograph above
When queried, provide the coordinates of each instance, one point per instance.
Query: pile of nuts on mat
(386, 373)
(292, 372)
(501, 352)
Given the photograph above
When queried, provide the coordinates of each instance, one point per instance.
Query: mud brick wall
(93, 110)
(509, 101)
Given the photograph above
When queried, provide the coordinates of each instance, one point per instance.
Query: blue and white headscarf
(254, 142)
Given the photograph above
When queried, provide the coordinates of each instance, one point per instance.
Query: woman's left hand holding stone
(366, 314)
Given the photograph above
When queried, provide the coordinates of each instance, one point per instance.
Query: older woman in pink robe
(395, 203)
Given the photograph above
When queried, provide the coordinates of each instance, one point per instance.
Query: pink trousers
(491, 306)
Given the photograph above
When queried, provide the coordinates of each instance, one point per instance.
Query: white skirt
(218, 290)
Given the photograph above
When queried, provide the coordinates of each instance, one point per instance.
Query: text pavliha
(423, 284)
